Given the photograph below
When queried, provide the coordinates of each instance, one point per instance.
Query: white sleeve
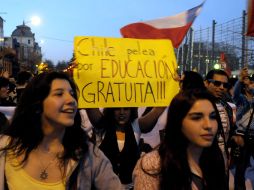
(136, 130)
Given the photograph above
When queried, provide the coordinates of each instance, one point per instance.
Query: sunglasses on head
(219, 83)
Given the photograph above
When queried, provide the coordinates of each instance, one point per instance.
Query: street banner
(119, 72)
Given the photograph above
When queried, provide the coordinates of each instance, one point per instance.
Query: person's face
(246, 80)
(59, 107)
(4, 92)
(122, 115)
(200, 125)
(218, 85)
(251, 85)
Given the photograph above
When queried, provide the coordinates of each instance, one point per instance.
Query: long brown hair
(175, 170)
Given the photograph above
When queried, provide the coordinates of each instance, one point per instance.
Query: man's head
(4, 87)
(248, 82)
(217, 82)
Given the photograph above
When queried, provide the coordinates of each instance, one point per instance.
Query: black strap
(198, 181)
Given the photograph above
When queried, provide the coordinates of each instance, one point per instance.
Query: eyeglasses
(251, 78)
(219, 83)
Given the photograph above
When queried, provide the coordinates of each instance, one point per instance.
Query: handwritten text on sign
(119, 72)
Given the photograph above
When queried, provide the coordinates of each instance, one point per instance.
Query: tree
(50, 64)
(61, 65)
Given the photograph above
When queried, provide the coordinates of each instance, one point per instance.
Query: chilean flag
(250, 28)
(172, 27)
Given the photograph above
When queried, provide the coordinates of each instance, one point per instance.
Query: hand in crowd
(5, 74)
(176, 76)
(243, 74)
(238, 139)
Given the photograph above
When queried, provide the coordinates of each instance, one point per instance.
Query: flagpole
(244, 62)
(213, 41)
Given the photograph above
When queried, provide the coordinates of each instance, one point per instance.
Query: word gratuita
(123, 91)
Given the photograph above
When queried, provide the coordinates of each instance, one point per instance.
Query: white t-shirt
(153, 137)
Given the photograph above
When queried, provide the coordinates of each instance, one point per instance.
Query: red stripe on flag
(173, 28)
(145, 31)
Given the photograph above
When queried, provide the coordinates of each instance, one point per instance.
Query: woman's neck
(120, 128)
(51, 144)
(52, 140)
(52, 130)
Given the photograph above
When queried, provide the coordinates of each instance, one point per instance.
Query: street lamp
(42, 67)
(216, 66)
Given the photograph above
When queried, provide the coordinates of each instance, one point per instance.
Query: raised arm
(95, 116)
(148, 121)
(238, 86)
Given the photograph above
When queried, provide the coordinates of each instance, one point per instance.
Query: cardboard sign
(121, 72)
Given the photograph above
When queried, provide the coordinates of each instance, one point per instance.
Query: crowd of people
(207, 138)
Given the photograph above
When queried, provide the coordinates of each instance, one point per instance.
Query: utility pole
(213, 42)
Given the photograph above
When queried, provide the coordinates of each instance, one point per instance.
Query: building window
(29, 41)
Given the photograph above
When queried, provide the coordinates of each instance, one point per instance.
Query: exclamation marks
(161, 90)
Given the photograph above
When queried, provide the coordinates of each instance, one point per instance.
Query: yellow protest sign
(121, 72)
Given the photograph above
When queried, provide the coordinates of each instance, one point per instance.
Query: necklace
(44, 173)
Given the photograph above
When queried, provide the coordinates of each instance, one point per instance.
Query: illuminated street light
(216, 66)
(42, 67)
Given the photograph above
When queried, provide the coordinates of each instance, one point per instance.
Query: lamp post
(207, 63)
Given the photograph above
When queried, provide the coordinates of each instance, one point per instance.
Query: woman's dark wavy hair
(175, 170)
(192, 80)
(25, 129)
(109, 115)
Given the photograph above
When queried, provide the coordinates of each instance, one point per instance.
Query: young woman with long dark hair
(119, 131)
(189, 157)
(45, 147)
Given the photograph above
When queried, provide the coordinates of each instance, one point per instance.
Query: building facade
(20, 51)
(27, 49)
